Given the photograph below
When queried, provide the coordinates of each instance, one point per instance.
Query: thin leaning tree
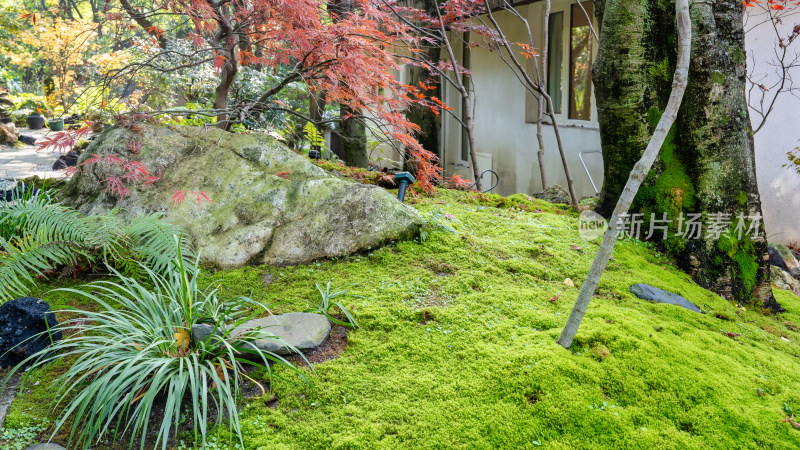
(637, 175)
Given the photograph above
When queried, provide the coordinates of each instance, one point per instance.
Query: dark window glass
(580, 62)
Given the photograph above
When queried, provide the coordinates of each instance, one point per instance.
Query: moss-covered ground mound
(457, 346)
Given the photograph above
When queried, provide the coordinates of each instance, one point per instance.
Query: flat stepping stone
(7, 396)
(47, 446)
(654, 294)
(303, 331)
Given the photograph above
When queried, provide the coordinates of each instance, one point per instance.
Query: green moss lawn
(457, 346)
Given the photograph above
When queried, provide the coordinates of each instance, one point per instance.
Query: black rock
(19, 191)
(27, 326)
(72, 119)
(652, 293)
(29, 140)
(775, 259)
(68, 160)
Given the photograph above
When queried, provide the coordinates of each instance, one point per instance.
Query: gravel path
(24, 161)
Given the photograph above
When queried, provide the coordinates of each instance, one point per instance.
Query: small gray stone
(652, 293)
(47, 446)
(303, 331)
(201, 331)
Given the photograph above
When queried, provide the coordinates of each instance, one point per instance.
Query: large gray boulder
(256, 216)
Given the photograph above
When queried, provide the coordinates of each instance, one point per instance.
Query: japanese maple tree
(348, 59)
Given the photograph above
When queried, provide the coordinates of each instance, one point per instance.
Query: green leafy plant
(137, 349)
(38, 235)
(328, 302)
(315, 138)
(20, 436)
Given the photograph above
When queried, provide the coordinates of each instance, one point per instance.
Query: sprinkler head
(403, 179)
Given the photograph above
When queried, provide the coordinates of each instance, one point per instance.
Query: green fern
(38, 235)
(315, 138)
(154, 240)
(32, 253)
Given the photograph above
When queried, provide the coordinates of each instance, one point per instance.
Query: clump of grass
(137, 348)
(328, 302)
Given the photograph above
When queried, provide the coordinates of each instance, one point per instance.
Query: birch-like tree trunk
(638, 174)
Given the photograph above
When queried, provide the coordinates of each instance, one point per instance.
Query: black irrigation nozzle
(403, 179)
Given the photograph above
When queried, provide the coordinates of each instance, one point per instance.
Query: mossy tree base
(707, 164)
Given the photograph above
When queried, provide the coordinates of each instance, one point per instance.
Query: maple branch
(144, 22)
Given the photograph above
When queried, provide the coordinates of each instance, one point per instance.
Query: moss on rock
(268, 204)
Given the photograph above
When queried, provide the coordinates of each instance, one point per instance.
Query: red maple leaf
(117, 186)
(178, 197)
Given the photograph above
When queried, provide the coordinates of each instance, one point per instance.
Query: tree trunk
(227, 76)
(354, 138)
(707, 163)
(144, 22)
(423, 117)
(226, 40)
(353, 132)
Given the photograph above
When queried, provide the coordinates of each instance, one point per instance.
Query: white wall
(779, 186)
(501, 129)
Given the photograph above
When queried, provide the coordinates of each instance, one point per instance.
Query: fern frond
(108, 237)
(32, 215)
(154, 240)
(33, 253)
(37, 234)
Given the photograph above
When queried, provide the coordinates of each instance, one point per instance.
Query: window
(570, 53)
(555, 54)
(466, 59)
(580, 63)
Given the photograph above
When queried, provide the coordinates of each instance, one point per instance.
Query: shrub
(138, 349)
